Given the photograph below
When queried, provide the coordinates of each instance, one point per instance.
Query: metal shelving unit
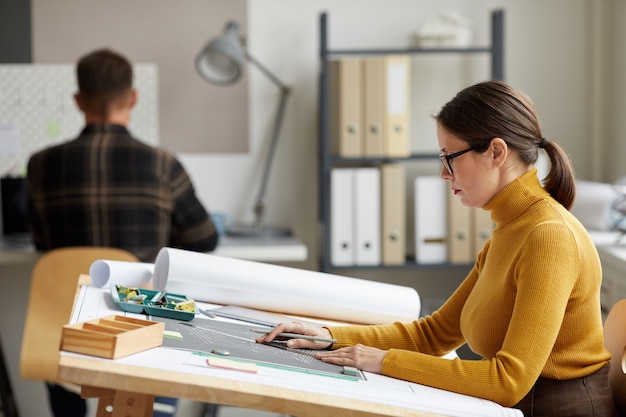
(328, 161)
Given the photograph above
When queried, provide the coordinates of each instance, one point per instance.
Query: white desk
(17, 253)
(268, 249)
(16, 263)
(263, 249)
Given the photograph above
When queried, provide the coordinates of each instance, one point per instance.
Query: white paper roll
(132, 274)
(593, 203)
(229, 281)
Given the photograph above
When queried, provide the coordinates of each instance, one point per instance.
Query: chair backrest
(615, 342)
(53, 286)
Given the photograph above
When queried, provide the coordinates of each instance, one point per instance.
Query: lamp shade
(221, 61)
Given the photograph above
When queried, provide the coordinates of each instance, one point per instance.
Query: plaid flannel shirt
(106, 188)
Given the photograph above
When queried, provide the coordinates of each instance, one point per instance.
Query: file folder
(397, 106)
(431, 229)
(460, 236)
(345, 107)
(341, 217)
(367, 216)
(482, 229)
(393, 214)
(373, 103)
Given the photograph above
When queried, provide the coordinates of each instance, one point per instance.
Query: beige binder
(460, 238)
(397, 106)
(393, 214)
(345, 107)
(373, 106)
(482, 229)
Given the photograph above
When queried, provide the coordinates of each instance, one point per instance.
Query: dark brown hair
(494, 109)
(103, 77)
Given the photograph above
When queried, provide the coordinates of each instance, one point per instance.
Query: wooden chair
(53, 286)
(615, 342)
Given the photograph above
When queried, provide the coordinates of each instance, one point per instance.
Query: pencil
(297, 336)
(207, 313)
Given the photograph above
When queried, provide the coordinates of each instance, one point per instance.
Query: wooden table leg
(105, 407)
(114, 403)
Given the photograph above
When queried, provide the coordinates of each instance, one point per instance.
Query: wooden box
(112, 336)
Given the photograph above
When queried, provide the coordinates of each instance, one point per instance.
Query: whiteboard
(37, 110)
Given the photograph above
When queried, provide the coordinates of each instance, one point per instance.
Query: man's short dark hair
(103, 76)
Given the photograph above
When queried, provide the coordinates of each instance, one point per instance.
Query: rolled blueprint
(229, 281)
(130, 274)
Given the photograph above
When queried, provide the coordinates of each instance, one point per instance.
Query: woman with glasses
(530, 306)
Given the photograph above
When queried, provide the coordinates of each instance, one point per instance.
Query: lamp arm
(265, 71)
(259, 207)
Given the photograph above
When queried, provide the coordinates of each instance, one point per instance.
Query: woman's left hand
(365, 358)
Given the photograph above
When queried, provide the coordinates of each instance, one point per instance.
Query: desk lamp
(221, 63)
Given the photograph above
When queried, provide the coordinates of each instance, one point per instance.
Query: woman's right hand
(298, 328)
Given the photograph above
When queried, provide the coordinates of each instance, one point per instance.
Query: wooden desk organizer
(112, 336)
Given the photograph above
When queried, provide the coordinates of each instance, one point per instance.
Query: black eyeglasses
(446, 159)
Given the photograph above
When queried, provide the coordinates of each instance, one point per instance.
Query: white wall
(615, 86)
(547, 50)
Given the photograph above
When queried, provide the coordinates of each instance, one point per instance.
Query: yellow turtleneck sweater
(530, 307)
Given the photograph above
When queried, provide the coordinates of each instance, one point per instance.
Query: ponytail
(560, 181)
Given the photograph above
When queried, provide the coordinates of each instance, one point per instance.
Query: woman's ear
(499, 151)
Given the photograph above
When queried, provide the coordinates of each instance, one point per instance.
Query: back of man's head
(105, 79)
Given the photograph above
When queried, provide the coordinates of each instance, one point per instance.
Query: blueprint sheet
(203, 335)
(208, 335)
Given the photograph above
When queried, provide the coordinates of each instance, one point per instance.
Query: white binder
(367, 216)
(431, 228)
(341, 215)
(396, 142)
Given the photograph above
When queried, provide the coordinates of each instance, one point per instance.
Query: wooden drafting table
(130, 383)
(17, 258)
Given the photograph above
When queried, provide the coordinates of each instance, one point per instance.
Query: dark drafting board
(206, 336)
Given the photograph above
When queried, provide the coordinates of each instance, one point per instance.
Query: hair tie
(543, 142)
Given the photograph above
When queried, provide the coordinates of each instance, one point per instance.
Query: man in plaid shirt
(106, 188)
